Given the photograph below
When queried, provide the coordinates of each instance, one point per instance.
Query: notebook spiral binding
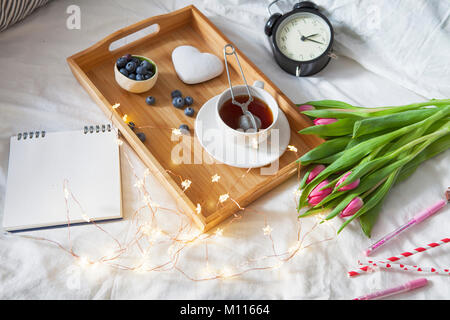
(41, 134)
(30, 135)
(97, 128)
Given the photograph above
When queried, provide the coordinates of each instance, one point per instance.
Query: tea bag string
(244, 106)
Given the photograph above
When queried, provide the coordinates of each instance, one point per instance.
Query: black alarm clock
(301, 39)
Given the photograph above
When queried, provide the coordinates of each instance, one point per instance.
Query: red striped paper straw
(418, 250)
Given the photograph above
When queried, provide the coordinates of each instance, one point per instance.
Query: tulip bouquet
(366, 151)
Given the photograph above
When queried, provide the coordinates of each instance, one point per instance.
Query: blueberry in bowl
(135, 73)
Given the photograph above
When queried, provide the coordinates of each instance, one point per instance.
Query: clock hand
(315, 41)
(312, 35)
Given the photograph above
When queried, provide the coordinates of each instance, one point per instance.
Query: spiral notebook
(59, 178)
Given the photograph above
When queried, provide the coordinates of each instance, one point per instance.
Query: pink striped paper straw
(363, 269)
(389, 265)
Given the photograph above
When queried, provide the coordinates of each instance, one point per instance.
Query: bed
(384, 58)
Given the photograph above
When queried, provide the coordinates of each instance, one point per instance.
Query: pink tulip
(315, 200)
(314, 172)
(350, 186)
(352, 208)
(317, 195)
(321, 121)
(306, 107)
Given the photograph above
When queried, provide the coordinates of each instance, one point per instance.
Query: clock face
(303, 36)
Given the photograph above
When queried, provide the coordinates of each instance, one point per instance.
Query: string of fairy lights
(148, 233)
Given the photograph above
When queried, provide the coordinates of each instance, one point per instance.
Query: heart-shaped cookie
(193, 66)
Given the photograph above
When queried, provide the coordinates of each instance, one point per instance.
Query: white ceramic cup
(250, 139)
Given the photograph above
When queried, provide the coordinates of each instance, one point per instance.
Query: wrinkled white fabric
(404, 60)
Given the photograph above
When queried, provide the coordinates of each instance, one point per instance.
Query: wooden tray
(93, 68)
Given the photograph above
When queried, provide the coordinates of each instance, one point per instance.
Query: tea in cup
(263, 106)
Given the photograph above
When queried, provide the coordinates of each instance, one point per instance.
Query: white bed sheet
(37, 90)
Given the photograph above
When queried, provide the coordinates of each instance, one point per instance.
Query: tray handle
(165, 21)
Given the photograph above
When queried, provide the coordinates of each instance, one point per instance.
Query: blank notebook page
(39, 168)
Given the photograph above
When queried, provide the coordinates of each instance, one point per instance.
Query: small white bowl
(136, 86)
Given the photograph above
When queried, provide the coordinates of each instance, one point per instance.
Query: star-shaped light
(115, 106)
(224, 197)
(219, 232)
(66, 193)
(139, 183)
(267, 230)
(215, 178)
(85, 217)
(176, 132)
(292, 148)
(186, 184)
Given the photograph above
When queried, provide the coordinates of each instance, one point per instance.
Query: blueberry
(184, 128)
(189, 111)
(131, 125)
(132, 76)
(121, 62)
(178, 102)
(150, 100)
(124, 72)
(140, 77)
(131, 66)
(148, 75)
(188, 101)
(136, 60)
(141, 70)
(147, 65)
(127, 56)
(176, 93)
(141, 136)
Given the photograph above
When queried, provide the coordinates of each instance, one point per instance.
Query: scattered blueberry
(189, 111)
(132, 76)
(127, 56)
(188, 101)
(131, 125)
(121, 62)
(140, 77)
(141, 136)
(148, 75)
(141, 70)
(131, 66)
(184, 129)
(150, 100)
(178, 102)
(147, 65)
(176, 93)
(124, 72)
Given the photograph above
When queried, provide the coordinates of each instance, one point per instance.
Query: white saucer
(213, 141)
